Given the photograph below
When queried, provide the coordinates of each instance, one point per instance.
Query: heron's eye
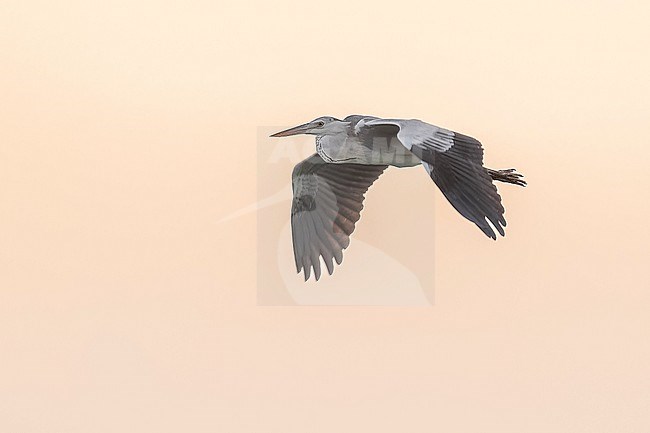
(321, 123)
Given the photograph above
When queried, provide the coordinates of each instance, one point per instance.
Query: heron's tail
(509, 175)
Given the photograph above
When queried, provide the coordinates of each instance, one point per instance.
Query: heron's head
(325, 125)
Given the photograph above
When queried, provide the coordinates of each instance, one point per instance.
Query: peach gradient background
(128, 129)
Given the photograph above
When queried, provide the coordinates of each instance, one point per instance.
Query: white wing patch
(418, 133)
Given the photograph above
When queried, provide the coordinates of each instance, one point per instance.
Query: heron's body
(354, 145)
(352, 153)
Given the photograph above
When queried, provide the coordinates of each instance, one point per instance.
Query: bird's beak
(300, 129)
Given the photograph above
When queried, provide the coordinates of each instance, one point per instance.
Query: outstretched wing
(327, 201)
(455, 163)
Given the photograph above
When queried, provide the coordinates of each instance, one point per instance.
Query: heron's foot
(509, 175)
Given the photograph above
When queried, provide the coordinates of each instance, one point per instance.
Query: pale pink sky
(129, 129)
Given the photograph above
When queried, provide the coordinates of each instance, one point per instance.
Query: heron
(329, 187)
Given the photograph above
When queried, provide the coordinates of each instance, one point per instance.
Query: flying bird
(329, 186)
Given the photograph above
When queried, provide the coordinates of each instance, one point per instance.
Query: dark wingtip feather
(316, 265)
(307, 272)
(487, 230)
(329, 264)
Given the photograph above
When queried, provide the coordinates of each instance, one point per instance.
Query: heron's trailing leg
(509, 175)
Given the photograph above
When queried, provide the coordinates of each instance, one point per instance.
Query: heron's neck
(331, 139)
(332, 147)
(336, 128)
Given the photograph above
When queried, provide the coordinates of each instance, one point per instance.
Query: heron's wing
(455, 163)
(327, 201)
